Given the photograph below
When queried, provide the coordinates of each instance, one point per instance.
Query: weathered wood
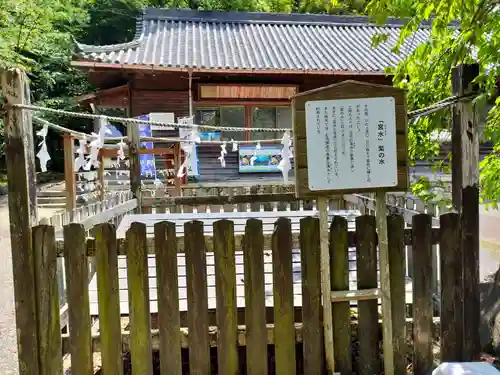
(464, 133)
(255, 311)
(283, 297)
(20, 163)
(135, 165)
(138, 297)
(49, 331)
(109, 299)
(168, 298)
(77, 274)
(69, 172)
(470, 256)
(225, 284)
(422, 294)
(451, 289)
(242, 207)
(147, 208)
(268, 206)
(159, 208)
(311, 296)
(197, 299)
(366, 260)
(397, 264)
(341, 311)
(325, 285)
(254, 204)
(385, 281)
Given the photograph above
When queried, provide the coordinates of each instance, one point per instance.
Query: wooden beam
(465, 194)
(135, 165)
(69, 172)
(112, 152)
(20, 162)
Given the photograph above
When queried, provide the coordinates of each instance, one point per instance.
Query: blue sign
(147, 161)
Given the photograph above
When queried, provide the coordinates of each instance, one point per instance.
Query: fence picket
(225, 283)
(77, 275)
(160, 208)
(109, 299)
(255, 309)
(47, 301)
(268, 206)
(397, 265)
(168, 298)
(341, 311)
(451, 288)
(311, 296)
(284, 329)
(138, 296)
(422, 294)
(368, 327)
(197, 299)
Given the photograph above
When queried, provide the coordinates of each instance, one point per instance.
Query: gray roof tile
(256, 42)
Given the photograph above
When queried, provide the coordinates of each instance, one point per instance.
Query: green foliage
(462, 31)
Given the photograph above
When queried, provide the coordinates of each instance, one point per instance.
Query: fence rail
(283, 328)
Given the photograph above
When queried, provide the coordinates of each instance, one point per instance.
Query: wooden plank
(385, 281)
(196, 282)
(160, 208)
(254, 204)
(326, 288)
(255, 311)
(147, 207)
(422, 294)
(49, 331)
(311, 296)
(77, 274)
(341, 311)
(397, 264)
(168, 298)
(268, 206)
(138, 296)
(284, 348)
(279, 189)
(225, 283)
(135, 165)
(109, 299)
(20, 163)
(471, 281)
(186, 193)
(69, 172)
(366, 261)
(451, 288)
(241, 207)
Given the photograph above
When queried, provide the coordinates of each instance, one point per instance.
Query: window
(222, 116)
(270, 117)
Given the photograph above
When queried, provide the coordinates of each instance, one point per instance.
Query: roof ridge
(190, 15)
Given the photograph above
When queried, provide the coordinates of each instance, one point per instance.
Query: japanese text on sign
(351, 143)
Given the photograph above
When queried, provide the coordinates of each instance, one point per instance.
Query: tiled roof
(260, 42)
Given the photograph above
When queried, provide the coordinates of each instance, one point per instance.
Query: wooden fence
(255, 329)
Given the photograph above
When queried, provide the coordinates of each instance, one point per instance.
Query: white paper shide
(351, 144)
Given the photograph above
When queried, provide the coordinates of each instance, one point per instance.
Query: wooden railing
(254, 255)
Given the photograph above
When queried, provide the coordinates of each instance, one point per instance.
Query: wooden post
(465, 193)
(177, 165)
(326, 289)
(385, 281)
(69, 173)
(22, 214)
(135, 165)
(101, 121)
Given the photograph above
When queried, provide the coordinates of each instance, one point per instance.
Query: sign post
(351, 137)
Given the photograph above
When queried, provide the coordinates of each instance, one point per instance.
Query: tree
(462, 31)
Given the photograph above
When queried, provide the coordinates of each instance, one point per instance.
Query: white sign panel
(351, 143)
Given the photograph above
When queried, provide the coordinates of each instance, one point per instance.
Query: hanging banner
(193, 167)
(148, 167)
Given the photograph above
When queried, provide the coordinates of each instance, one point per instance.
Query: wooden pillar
(465, 194)
(69, 173)
(100, 177)
(20, 160)
(135, 165)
